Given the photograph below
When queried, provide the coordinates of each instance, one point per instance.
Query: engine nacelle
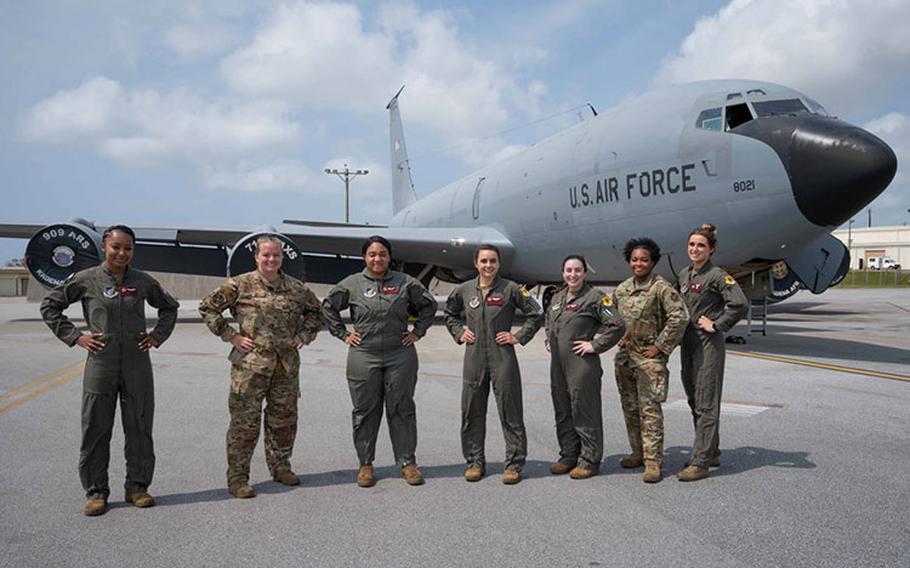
(241, 259)
(58, 251)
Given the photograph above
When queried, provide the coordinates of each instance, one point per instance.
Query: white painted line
(728, 408)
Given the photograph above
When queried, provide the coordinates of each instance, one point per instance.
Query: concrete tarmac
(815, 470)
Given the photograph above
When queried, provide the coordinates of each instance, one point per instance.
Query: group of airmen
(276, 315)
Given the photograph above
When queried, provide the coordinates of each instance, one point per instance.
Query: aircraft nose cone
(835, 168)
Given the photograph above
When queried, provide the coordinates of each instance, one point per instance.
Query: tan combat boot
(241, 490)
(632, 461)
(94, 507)
(693, 473)
(365, 477)
(582, 473)
(286, 477)
(560, 468)
(411, 474)
(652, 472)
(474, 472)
(511, 476)
(140, 499)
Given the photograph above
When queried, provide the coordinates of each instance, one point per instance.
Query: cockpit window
(816, 108)
(738, 114)
(785, 107)
(756, 92)
(709, 119)
(732, 96)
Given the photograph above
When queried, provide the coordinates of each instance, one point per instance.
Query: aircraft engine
(241, 259)
(58, 251)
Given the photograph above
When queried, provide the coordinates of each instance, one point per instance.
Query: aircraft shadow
(784, 340)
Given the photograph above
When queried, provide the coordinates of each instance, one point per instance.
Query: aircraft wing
(209, 251)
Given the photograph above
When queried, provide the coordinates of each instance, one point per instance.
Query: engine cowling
(241, 259)
(58, 251)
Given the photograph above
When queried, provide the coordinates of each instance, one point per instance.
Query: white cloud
(145, 126)
(890, 208)
(254, 178)
(86, 110)
(322, 54)
(848, 55)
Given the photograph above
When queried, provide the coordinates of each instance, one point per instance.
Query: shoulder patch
(524, 292)
(729, 280)
(607, 301)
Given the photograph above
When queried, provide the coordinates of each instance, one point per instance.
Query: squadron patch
(571, 307)
(729, 280)
(128, 291)
(391, 290)
(607, 301)
(494, 300)
(110, 292)
(475, 302)
(695, 287)
(524, 292)
(370, 292)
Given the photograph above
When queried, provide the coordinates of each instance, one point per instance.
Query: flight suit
(271, 314)
(655, 315)
(115, 307)
(486, 362)
(381, 369)
(713, 293)
(575, 381)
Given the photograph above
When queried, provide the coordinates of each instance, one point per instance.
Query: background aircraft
(764, 163)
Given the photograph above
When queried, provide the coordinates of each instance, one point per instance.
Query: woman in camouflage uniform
(580, 325)
(656, 319)
(382, 359)
(276, 315)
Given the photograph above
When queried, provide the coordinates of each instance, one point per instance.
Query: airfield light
(345, 175)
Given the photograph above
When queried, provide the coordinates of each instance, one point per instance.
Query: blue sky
(222, 112)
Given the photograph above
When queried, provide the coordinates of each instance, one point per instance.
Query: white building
(876, 241)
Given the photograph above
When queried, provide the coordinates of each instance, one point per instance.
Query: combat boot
(652, 472)
(582, 472)
(474, 472)
(411, 474)
(714, 462)
(241, 490)
(560, 468)
(365, 477)
(140, 499)
(94, 507)
(286, 477)
(632, 461)
(693, 473)
(511, 476)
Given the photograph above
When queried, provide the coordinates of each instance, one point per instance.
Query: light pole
(850, 239)
(345, 175)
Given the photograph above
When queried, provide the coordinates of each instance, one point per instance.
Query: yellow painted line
(38, 382)
(73, 373)
(838, 368)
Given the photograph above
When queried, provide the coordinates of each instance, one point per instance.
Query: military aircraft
(764, 163)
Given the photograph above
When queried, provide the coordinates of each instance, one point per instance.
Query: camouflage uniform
(487, 362)
(114, 306)
(271, 314)
(713, 293)
(655, 315)
(381, 369)
(575, 381)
